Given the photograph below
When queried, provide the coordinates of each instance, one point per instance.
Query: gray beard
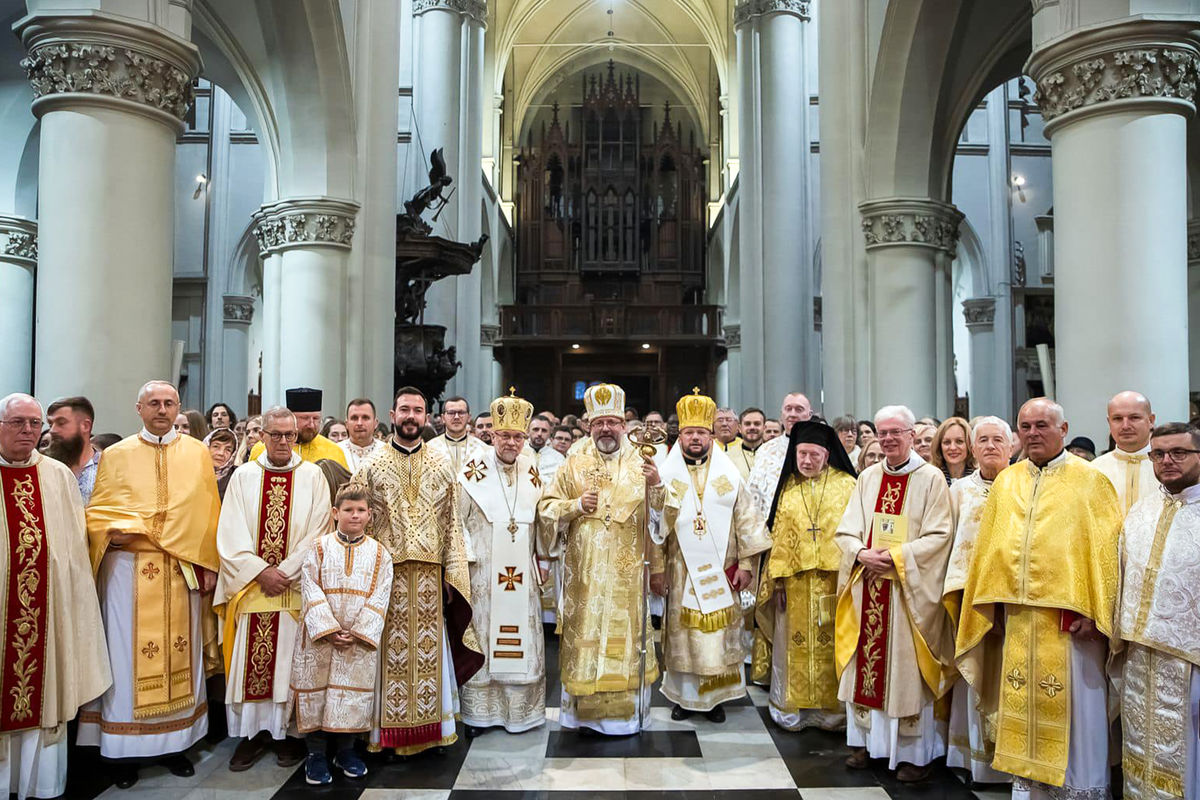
(609, 446)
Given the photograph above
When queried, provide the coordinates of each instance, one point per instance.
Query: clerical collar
(695, 462)
(914, 462)
(406, 450)
(265, 462)
(459, 440)
(33, 459)
(749, 449)
(1054, 462)
(1189, 495)
(168, 437)
(1128, 456)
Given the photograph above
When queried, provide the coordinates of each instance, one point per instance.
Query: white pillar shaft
(1193, 278)
(16, 326)
(1120, 256)
(904, 328)
(272, 388)
(475, 375)
(1000, 400)
(751, 389)
(235, 365)
(312, 327)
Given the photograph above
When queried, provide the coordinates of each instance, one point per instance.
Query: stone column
(474, 378)
(904, 237)
(18, 265)
(986, 373)
(1193, 279)
(306, 242)
(235, 350)
(111, 93)
(1115, 100)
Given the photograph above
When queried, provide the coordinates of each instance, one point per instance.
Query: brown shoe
(910, 773)
(290, 752)
(248, 751)
(858, 759)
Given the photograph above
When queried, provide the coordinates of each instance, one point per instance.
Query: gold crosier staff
(647, 440)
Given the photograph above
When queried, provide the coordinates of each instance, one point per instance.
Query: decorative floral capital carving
(1193, 242)
(489, 335)
(305, 222)
(911, 222)
(733, 336)
(239, 309)
(747, 10)
(475, 9)
(18, 240)
(980, 312)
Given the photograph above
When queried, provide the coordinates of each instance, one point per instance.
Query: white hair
(277, 412)
(148, 385)
(902, 413)
(8, 401)
(999, 423)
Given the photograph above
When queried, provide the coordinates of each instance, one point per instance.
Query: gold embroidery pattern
(260, 657)
(475, 470)
(150, 650)
(274, 526)
(1154, 720)
(25, 627)
(535, 477)
(510, 578)
(413, 659)
(1150, 577)
(722, 485)
(1015, 679)
(1051, 685)
(872, 652)
(150, 570)
(891, 496)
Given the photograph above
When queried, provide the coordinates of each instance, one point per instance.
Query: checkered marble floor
(747, 758)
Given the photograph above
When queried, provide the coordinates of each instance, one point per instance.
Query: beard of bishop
(607, 444)
(66, 450)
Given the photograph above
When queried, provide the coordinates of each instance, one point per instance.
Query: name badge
(890, 530)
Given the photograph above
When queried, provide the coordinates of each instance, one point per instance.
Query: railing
(612, 321)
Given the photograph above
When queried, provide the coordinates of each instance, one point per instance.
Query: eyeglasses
(882, 434)
(1177, 455)
(23, 424)
(280, 437)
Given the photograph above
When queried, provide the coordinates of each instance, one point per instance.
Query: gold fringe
(160, 709)
(731, 678)
(709, 623)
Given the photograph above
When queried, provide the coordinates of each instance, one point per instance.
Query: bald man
(768, 461)
(1130, 421)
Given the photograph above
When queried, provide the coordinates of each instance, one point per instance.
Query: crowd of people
(332, 587)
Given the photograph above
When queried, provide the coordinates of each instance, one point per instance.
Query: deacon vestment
(548, 462)
(894, 640)
(52, 648)
(270, 517)
(794, 647)
(498, 508)
(161, 488)
(764, 476)
(345, 585)
(716, 527)
(742, 457)
(1131, 474)
(1045, 555)
(970, 748)
(429, 648)
(312, 452)
(357, 456)
(1158, 629)
(460, 452)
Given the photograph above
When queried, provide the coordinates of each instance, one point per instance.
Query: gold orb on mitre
(696, 410)
(604, 400)
(511, 413)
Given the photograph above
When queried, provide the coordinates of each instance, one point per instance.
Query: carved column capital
(489, 335)
(473, 9)
(18, 240)
(733, 336)
(980, 313)
(1193, 242)
(911, 222)
(239, 309)
(305, 222)
(747, 10)
(1149, 64)
(99, 59)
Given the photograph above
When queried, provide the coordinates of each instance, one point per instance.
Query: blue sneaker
(316, 770)
(350, 764)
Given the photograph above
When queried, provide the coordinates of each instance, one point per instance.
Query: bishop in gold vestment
(797, 595)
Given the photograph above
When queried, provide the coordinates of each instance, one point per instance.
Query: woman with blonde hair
(252, 437)
(951, 449)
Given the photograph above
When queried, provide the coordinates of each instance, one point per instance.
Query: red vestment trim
(274, 517)
(24, 647)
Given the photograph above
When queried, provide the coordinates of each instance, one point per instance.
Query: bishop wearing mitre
(593, 516)
(716, 531)
(894, 640)
(498, 506)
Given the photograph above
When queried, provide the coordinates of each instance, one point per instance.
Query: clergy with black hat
(797, 596)
(305, 404)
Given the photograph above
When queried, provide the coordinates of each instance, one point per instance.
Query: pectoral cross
(699, 527)
(512, 528)
(814, 529)
(510, 578)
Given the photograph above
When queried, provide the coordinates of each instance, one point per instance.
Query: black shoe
(679, 713)
(715, 714)
(124, 775)
(179, 765)
(472, 731)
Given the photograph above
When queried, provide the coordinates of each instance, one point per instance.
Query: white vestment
(1131, 474)
(460, 452)
(764, 478)
(355, 455)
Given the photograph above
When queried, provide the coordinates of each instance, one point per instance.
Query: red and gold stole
(874, 631)
(274, 514)
(24, 647)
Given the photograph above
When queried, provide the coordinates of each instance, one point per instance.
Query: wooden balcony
(612, 322)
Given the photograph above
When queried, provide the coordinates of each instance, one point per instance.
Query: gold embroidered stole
(812, 680)
(1154, 720)
(274, 518)
(1033, 723)
(412, 661)
(27, 605)
(162, 646)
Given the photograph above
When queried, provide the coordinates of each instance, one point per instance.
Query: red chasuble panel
(21, 681)
(874, 629)
(262, 640)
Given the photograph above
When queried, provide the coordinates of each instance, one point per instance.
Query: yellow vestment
(312, 452)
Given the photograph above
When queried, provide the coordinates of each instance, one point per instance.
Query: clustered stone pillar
(980, 314)
(1115, 100)
(18, 263)
(305, 243)
(905, 238)
(111, 94)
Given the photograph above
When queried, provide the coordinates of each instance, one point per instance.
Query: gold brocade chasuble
(1047, 544)
(602, 585)
(312, 452)
(167, 494)
(803, 565)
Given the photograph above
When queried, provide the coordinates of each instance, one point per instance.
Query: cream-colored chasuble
(1131, 474)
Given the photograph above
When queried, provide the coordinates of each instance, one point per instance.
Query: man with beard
(744, 451)
(591, 517)
(428, 648)
(483, 427)
(715, 532)
(305, 404)
(360, 423)
(768, 460)
(548, 459)
(71, 420)
(458, 444)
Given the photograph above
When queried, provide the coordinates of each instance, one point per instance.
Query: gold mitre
(604, 400)
(696, 411)
(511, 413)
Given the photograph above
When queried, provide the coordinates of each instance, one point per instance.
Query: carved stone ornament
(911, 222)
(239, 309)
(746, 10)
(980, 312)
(1135, 63)
(18, 240)
(475, 9)
(305, 222)
(1193, 242)
(489, 335)
(733, 336)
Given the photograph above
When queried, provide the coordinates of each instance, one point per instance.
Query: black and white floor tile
(745, 758)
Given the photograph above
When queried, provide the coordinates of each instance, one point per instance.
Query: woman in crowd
(871, 453)
(950, 451)
(335, 430)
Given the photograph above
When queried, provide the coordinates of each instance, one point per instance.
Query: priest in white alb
(458, 445)
(894, 640)
(53, 641)
(1128, 466)
(1157, 634)
(769, 458)
(715, 532)
(275, 507)
(498, 506)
